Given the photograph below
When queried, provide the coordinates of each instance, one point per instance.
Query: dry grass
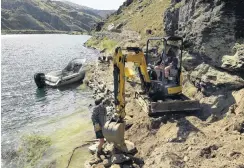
(102, 43)
(141, 16)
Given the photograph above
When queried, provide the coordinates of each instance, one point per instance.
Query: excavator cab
(167, 66)
(165, 92)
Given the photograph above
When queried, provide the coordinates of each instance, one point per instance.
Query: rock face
(210, 28)
(218, 79)
(214, 51)
(235, 62)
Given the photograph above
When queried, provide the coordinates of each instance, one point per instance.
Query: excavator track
(176, 104)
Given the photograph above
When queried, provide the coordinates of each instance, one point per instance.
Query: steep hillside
(132, 24)
(47, 15)
(213, 57)
(142, 16)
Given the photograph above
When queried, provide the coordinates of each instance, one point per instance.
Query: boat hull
(72, 73)
(66, 80)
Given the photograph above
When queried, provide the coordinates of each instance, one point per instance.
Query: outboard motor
(40, 80)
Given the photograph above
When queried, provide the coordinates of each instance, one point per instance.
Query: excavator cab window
(167, 63)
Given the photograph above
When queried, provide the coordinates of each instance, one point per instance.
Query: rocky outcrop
(210, 28)
(99, 26)
(219, 80)
(213, 56)
(234, 62)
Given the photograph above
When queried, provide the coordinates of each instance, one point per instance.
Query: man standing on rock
(98, 117)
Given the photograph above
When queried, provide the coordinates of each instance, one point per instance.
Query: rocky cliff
(210, 29)
(213, 35)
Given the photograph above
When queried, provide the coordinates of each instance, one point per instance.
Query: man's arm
(95, 115)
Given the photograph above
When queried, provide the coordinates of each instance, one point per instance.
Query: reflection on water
(72, 86)
(41, 94)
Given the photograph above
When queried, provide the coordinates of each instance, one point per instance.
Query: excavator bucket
(114, 132)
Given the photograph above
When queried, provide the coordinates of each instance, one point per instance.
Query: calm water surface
(23, 105)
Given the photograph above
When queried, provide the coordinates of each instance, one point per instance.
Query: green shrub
(108, 44)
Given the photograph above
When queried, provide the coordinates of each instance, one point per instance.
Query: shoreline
(12, 32)
(58, 137)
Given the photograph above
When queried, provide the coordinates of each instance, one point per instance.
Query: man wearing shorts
(98, 117)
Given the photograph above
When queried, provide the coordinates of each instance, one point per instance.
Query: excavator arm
(115, 128)
(119, 61)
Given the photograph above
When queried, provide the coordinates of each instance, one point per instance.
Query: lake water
(25, 109)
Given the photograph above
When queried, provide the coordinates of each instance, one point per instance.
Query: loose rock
(119, 158)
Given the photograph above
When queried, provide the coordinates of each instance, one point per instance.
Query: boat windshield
(74, 65)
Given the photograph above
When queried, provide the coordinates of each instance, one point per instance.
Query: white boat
(72, 73)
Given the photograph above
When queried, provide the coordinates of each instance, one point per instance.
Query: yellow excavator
(161, 85)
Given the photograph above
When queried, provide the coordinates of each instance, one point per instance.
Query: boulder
(93, 148)
(239, 97)
(119, 158)
(115, 166)
(102, 87)
(234, 62)
(108, 148)
(109, 109)
(131, 149)
(110, 27)
(155, 123)
(127, 166)
(216, 79)
(190, 61)
(216, 105)
(107, 163)
(119, 26)
(114, 28)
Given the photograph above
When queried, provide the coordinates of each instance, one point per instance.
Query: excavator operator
(163, 68)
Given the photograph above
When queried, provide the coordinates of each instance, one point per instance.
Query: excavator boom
(114, 129)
